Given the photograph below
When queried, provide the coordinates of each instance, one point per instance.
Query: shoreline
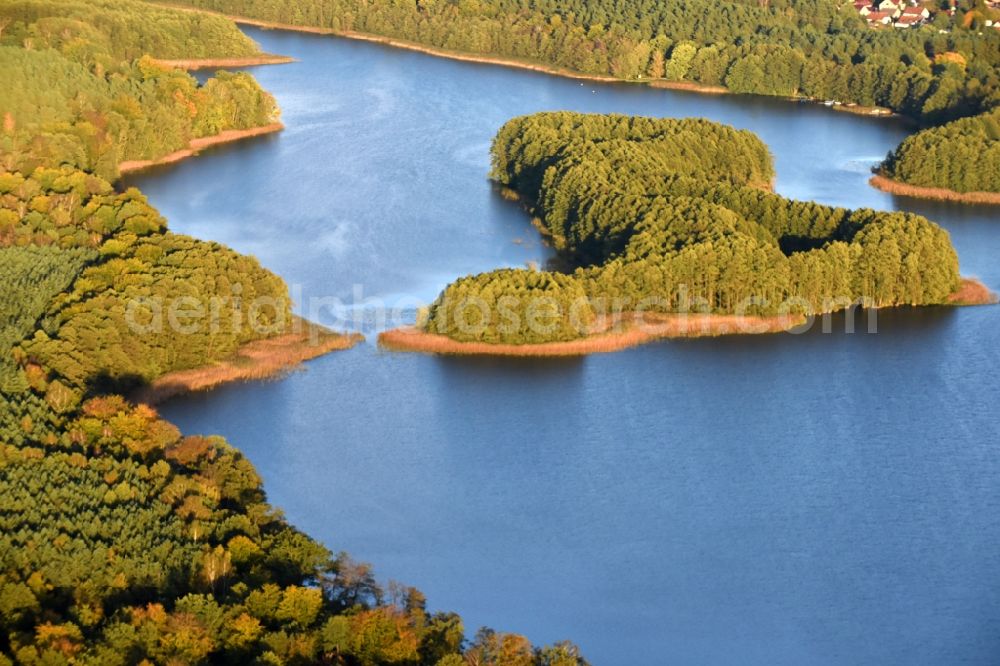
(197, 145)
(433, 50)
(408, 45)
(891, 186)
(254, 361)
(688, 86)
(636, 329)
(206, 63)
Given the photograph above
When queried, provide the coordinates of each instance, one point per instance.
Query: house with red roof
(879, 18)
(920, 12)
(891, 7)
(908, 20)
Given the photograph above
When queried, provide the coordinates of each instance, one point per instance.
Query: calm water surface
(820, 498)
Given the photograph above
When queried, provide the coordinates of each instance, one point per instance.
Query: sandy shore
(256, 360)
(938, 193)
(632, 330)
(208, 63)
(197, 145)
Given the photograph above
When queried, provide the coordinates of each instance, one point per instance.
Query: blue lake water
(824, 498)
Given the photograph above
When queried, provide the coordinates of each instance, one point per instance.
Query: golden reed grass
(255, 360)
(972, 292)
(629, 331)
(205, 63)
(938, 193)
(632, 329)
(690, 86)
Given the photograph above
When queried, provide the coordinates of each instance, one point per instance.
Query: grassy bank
(690, 86)
(858, 110)
(255, 360)
(937, 193)
(211, 63)
(197, 145)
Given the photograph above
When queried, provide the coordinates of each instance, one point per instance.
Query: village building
(920, 12)
(890, 7)
(908, 20)
(879, 18)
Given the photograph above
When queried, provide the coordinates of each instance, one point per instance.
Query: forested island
(674, 220)
(123, 541)
(944, 70)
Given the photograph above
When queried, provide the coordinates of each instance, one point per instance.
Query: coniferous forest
(675, 216)
(121, 540)
(822, 50)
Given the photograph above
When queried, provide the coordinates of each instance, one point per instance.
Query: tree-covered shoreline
(123, 541)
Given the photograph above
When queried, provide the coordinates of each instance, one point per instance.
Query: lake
(823, 498)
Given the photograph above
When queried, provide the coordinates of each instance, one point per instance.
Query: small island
(671, 230)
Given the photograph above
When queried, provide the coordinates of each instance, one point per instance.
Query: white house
(920, 12)
(889, 7)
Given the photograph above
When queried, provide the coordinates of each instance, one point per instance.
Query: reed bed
(972, 292)
(937, 193)
(629, 330)
(260, 359)
(197, 145)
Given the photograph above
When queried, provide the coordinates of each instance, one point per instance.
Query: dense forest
(88, 331)
(664, 215)
(104, 32)
(121, 540)
(81, 89)
(963, 156)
